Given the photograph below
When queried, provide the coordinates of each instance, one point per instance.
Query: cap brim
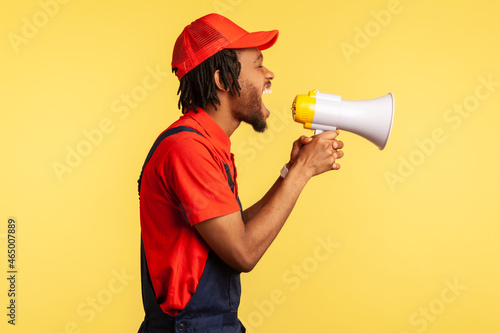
(261, 39)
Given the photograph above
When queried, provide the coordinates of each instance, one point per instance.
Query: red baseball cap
(211, 33)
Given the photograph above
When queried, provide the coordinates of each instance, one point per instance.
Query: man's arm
(303, 140)
(250, 212)
(241, 245)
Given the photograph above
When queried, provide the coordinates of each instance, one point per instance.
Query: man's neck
(223, 117)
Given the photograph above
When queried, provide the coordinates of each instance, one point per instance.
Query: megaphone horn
(371, 119)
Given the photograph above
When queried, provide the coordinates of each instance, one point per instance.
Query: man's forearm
(275, 208)
(250, 212)
(241, 245)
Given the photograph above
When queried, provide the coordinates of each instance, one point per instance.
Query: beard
(249, 108)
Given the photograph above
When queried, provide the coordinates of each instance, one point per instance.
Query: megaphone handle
(318, 129)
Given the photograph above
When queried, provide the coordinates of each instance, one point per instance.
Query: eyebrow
(261, 56)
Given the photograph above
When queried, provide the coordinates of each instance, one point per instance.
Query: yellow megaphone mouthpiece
(303, 108)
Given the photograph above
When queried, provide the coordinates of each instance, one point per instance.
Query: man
(196, 238)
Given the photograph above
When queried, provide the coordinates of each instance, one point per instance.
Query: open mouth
(267, 90)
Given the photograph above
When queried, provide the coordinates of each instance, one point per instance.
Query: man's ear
(218, 81)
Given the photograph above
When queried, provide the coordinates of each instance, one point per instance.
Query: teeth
(267, 91)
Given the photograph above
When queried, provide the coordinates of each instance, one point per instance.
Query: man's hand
(325, 143)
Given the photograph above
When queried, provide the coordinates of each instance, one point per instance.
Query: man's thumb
(305, 139)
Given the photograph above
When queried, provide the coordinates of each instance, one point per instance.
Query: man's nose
(269, 75)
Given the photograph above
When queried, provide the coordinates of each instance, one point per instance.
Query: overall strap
(162, 137)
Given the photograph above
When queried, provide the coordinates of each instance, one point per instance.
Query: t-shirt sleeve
(198, 181)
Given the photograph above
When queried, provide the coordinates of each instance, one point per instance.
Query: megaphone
(371, 119)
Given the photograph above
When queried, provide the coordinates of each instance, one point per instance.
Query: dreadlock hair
(198, 88)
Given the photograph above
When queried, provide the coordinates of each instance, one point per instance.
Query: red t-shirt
(184, 183)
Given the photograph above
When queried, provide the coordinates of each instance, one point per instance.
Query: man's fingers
(338, 154)
(337, 144)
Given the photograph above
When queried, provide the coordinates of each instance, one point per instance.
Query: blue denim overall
(214, 305)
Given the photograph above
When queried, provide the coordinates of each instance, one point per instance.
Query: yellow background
(403, 224)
